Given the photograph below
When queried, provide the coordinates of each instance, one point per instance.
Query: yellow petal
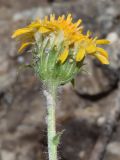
(88, 33)
(80, 55)
(19, 32)
(35, 25)
(69, 18)
(101, 58)
(61, 18)
(91, 49)
(63, 56)
(102, 41)
(102, 51)
(78, 22)
(43, 30)
(23, 46)
(52, 17)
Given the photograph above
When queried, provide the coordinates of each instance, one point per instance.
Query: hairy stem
(50, 95)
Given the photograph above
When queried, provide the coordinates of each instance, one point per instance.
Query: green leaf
(56, 139)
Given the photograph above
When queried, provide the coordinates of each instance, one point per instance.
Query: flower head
(46, 26)
(60, 46)
(90, 46)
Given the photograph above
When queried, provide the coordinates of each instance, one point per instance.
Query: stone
(101, 121)
(7, 73)
(7, 155)
(113, 37)
(114, 148)
(32, 13)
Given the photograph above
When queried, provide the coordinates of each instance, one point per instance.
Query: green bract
(46, 62)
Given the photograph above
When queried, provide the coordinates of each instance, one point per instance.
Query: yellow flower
(46, 26)
(63, 56)
(90, 46)
(76, 45)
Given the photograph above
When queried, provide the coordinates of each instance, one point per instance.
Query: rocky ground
(89, 113)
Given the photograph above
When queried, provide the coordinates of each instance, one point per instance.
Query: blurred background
(89, 112)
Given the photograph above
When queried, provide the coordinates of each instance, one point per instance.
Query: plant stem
(51, 128)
